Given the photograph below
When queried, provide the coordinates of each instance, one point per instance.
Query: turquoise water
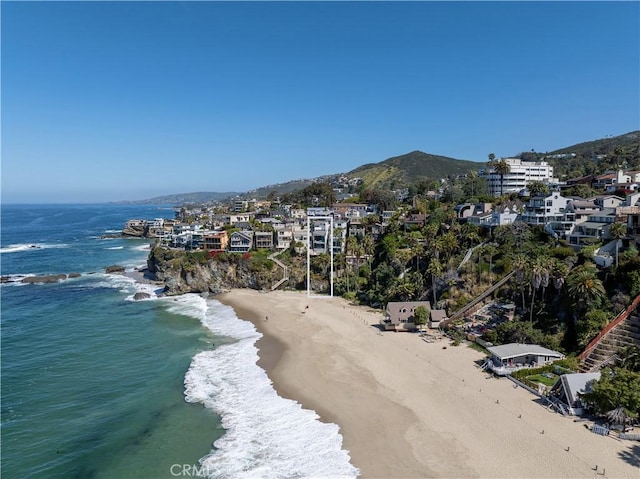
(92, 383)
(97, 385)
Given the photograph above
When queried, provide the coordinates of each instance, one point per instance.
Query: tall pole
(308, 255)
(331, 241)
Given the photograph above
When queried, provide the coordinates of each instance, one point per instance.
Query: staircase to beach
(461, 312)
(623, 331)
(285, 275)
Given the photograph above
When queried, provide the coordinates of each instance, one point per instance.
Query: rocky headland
(201, 272)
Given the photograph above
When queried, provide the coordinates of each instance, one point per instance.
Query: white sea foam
(16, 279)
(144, 247)
(266, 435)
(15, 248)
(115, 247)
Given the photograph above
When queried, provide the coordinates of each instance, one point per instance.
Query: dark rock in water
(74, 275)
(53, 278)
(139, 296)
(114, 269)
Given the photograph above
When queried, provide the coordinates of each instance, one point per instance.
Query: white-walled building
(521, 173)
(541, 210)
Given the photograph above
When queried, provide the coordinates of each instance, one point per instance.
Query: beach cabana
(508, 358)
(571, 387)
(436, 317)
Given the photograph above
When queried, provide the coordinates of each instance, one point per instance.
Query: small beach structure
(508, 358)
(436, 317)
(569, 389)
(399, 315)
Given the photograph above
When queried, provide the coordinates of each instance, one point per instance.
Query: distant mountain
(410, 168)
(581, 159)
(184, 198)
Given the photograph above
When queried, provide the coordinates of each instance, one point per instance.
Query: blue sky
(109, 101)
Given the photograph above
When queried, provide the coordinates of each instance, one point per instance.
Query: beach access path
(411, 409)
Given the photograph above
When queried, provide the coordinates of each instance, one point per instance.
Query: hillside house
(540, 210)
(241, 241)
(414, 221)
(263, 239)
(215, 241)
(350, 210)
(356, 229)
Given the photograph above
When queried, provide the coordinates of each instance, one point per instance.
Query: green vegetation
(561, 298)
(421, 316)
(411, 168)
(616, 388)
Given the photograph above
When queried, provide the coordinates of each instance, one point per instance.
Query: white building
(541, 210)
(521, 173)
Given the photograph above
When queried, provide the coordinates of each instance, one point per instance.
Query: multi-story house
(594, 230)
(543, 209)
(215, 240)
(608, 201)
(240, 205)
(521, 173)
(320, 232)
(356, 229)
(240, 218)
(578, 210)
(466, 210)
(263, 239)
(241, 241)
(284, 235)
(350, 210)
(156, 228)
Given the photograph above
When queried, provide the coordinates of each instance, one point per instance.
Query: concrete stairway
(477, 299)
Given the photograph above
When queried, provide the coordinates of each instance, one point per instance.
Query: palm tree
(502, 168)
(618, 230)
(540, 270)
(520, 264)
(537, 187)
(435, 269)
(490, 250)
(559, 273)
(584, 287)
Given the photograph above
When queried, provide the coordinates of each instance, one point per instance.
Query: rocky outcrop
(139, 229)
(139, 296)
(116, 268)
(196, 272)
(50, 278)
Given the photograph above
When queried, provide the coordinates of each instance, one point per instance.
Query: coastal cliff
(200, 272)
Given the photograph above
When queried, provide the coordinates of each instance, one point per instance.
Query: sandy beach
(411, 409)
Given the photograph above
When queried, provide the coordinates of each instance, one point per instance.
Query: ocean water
(97, 385)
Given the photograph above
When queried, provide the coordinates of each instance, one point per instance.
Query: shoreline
(410, 409)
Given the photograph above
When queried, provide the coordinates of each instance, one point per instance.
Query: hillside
(410, 168)
(280, 189)
(629, 142)
(593, 157)
(184, 198)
